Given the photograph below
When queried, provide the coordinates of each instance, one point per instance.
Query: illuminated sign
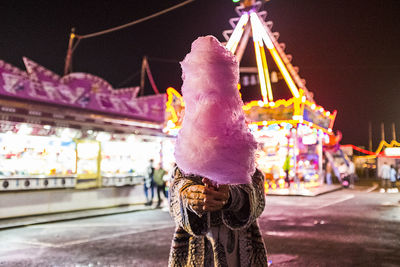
(392, 151)
(281, 113)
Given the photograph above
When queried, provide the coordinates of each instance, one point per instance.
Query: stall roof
(44, 114)
(82, 94)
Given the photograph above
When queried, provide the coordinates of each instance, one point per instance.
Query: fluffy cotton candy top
(214, 141)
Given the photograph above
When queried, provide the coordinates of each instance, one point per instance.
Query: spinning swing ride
(291, 132)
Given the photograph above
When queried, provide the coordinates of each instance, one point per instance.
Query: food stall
(74, 131)
(35, 157)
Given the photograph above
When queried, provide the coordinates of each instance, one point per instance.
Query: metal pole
(393, 131)
(142, 75)
(382, 131)
(295, 165)
(67, 66)
(243, 43)
(369, 136)
(366, 170)
(320, 158)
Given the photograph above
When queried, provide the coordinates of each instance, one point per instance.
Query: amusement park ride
(288, 129)
(301, 108)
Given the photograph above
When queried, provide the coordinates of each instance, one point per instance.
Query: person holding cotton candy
(217, 193)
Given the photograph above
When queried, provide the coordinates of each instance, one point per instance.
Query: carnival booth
(74, 131)
(371, 161)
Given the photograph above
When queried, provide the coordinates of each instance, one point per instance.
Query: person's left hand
(216, 196)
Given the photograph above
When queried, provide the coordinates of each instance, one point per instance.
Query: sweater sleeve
(193, 223)
(247, 203)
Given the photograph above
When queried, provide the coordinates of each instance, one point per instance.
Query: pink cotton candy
(214, 141)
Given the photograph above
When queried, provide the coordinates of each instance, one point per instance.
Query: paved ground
(342, 228)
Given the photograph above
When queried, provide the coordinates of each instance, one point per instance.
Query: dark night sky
(348, 51)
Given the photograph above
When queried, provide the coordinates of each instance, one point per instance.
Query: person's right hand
(206, 197)
(195, 195)
(216, 195)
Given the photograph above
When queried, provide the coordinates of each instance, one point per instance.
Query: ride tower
(291, 131)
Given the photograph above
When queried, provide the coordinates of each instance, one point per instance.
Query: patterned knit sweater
(230, 237)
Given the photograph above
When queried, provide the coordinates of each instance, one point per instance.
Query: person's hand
(195, 195)
(216, 196)
(207, 197)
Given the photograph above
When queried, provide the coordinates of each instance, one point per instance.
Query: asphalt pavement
(349, 227)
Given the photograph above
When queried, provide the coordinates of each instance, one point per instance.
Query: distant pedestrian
(149, 183)
(159, 173)
(398, 174)
(169, 177)
(384, 174)
(343, 168)
(328, 173)
(393, 178)
(352, 174)
(286, 168)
